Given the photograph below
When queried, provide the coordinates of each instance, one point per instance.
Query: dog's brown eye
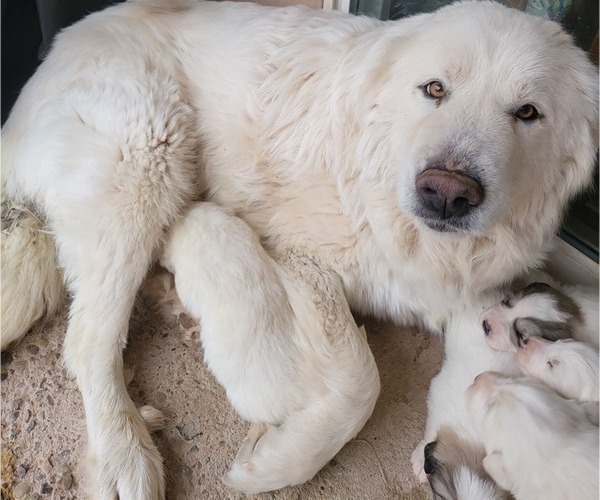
(435, 89)
(527, 113)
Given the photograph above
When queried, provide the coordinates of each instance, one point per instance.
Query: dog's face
(512, 411)
(538, 310)
(486, 125)
(454, 469)
(568, 366)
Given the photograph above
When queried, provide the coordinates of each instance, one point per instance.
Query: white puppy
(538, 444)
(454, 469)
(568, 366)
(280, 338)
(541, 310)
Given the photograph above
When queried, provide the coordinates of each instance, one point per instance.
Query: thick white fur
(538, 444)
(280, 337)
(312, 126)
(568, 366)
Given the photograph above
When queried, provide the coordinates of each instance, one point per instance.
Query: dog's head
(489, 115)
(538, 310)
(568, 366)
(454, 469)
(520, 413)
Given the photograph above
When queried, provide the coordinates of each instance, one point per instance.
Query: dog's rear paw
(418, 462)
(154, 419)
(247, 474)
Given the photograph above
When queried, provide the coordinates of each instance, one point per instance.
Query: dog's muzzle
(447, 195)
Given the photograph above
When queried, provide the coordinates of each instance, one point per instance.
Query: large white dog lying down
(538, 445)
(279, 336)
(422, 162)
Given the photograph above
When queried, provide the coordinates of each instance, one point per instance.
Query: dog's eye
(527, 113)
(552, 363)
(435, 89)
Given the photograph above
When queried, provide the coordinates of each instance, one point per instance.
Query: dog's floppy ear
(579, 124)
(493, 464)
(549, 330)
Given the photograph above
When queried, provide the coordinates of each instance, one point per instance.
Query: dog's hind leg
(119, 175)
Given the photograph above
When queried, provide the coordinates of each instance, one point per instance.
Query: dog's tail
(273, 457)
(31, 281)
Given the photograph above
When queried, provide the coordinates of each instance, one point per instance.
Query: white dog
(280, 338)
(541, 310)
(454, 469)
(424, 161)
(568, 366)
(538, 445)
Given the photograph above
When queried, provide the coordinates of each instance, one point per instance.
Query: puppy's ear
(549, 330)
(494, 466)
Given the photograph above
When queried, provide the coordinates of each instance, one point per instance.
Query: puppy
(454, 469)
(540, 310)
(538, 444)
(568, 366)
(281, 340)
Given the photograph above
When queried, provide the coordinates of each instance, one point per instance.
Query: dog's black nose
(430, 461)
(486, 327)
(445, 193)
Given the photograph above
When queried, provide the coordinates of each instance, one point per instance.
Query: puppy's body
(471, 348)
(568, 366)
(321, 131)
(282, 341)
(538, 445)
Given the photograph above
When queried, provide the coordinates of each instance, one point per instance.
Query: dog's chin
(450, 225)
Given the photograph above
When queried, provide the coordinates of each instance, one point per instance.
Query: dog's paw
(154, 419)
(418, 462)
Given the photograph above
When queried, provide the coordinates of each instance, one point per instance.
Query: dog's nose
(486, 327)
(430, 462)
(446, 193)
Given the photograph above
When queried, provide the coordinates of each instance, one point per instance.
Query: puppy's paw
(154, 419)
(418, 462)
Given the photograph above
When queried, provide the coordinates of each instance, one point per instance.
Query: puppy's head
(537, 310)
(522, 415)
(568, 366)
(454, 469)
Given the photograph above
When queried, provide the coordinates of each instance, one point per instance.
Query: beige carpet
(43, 433)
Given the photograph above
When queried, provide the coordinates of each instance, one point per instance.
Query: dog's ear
(494, 466)
(549, 330)
(579, 124)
